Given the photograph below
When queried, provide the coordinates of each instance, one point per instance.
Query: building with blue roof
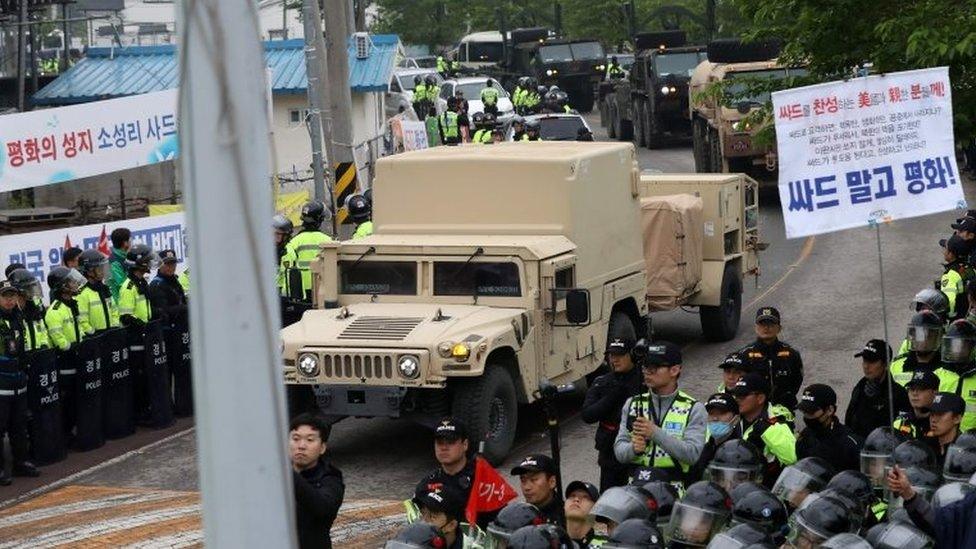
(109, 72)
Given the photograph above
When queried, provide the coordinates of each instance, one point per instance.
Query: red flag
(489, 491)
(67, 242)
(103, 243)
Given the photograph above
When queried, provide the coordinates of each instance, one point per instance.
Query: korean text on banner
(414, 135)
(41, 251)
(866, 151)
(56, 145)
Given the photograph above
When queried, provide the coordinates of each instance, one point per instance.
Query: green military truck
(469, 295)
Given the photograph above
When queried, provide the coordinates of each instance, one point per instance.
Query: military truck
(576, 66)
(722, 138)
(469, 295)
(651, 105)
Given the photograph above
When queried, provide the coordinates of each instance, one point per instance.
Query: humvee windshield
(488, 279)
(678, 64)
(733, 92)
(378, 277)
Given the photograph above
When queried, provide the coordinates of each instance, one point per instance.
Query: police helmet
(618, 504)
(966, 440)
(876, 453)
(430, 80)
(959, 342)
(93, 263)
(932, 300)
(543, 536)
(489, 83)
(735, 462)
(513, 516)
(313, 214)
(744, 489)
(479, 119)
(490, 120)
(960, 464)
(419, 535)
(739, 536)
(523, 81)
(855, 484)
(854, 507)
(700, 514)
(532, 82)
(796, 482)
(25, 282)
(762, 509)
(951, 493)
(914, 453)
(541, 90)
(141, 256)
(368, 195)
(635, 534)
(533, 125)
(63, 279)
(818, 522)
(897, 535)
(358, 207)
(846, 540)
(924, 332)
(282, 224)
(665, 495)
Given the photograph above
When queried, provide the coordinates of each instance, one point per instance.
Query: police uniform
(167, 298)
(449, 128)
(554, 511)
(961, 382)
(771, 433)
(908, 422)
(778, 362)
(13, 393)
(489, 99)
(835, 444)
(64, 330)
(868, 408)
(904, 366)
(299, 253)
(944, 403)
(957, 274)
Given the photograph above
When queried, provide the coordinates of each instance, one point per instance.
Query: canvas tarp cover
(673, 230)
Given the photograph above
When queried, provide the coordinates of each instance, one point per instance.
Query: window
(378, 278)
(679, 64)
(296, 117)
(560, 128)
(394, 86)
(477, 279)
(559, 53)
(566, 277)
(447, 91)
(588, 51)
(484, 52)
(747, 78)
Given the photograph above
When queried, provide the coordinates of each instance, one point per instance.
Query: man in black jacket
(825, 436)
(778, 362)
(318, 484)
(603, 403)
(868, 408)
(168, 299)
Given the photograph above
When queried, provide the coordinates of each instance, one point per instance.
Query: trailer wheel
(721, 323)
(489, 409)
(714, 152)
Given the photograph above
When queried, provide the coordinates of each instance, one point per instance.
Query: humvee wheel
(488, 407)
(721, 323)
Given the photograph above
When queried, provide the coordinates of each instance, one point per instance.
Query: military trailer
(723, 140)
(470, 294)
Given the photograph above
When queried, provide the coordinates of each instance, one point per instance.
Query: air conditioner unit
(361, 39)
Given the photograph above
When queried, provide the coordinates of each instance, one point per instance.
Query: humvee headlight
(444, 349)
(665, 90)
(409, 366)
(461, 352)
(550, 72)
(600, 67)
(740, 126)
(308, 365)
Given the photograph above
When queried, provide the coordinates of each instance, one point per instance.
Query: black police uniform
(602, 405)
(781, 365)
(555, 511)
(866, 412)
(168, 299)
(919, 425)
(837, 445)
(461, 481)
(13, 393)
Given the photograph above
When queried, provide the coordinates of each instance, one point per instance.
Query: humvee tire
(488, 407)
(736, 51)
(722, 323)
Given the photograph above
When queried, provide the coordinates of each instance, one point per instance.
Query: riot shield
(44, 401)
(88, 391)
(136, 336)
(157, 377)
(68, 365)
(117, 408)
(178, 355)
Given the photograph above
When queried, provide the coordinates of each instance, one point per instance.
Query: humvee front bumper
(359, 400)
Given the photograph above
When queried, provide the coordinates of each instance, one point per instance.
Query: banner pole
(884, 320)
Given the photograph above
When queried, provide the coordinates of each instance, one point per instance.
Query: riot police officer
(958, 372)
(283, 227)
(418, 535)
(742, 535)
(735, 461)
(96, 308)
(13, 387)
(857, 486)
(43, 387)
(513, 516)
(763, 510)
(807, 476)
(302, 249)
(924, 341)
(775, 360)
(168, 300)
(699, 515)
(818, 522)
(957, 273)
(361, 212)
(635, 533)
(65, 332)
(621, 503)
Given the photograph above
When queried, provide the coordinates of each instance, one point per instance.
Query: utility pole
(66, 36)
(284, 19)
(33, 58)
(226, 164)
(312, 20)
(21, 54)
(337, 59)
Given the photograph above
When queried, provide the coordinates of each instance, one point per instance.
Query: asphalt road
(826, 288)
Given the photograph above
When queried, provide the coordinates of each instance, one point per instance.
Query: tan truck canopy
(673, 230)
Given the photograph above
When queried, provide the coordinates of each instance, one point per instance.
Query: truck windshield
(562, 128)
(472, 90)
(378, 277)
(587, 51)
(477, 278)
(556, 53)
(485, 52)
(733, 93)
(678, 64)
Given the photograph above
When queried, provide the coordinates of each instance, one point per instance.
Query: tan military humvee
(722, 140)
(495, 268)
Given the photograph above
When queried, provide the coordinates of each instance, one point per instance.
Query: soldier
(775, 360)
(13, 387)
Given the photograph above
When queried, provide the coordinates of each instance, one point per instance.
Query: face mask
(719, 429)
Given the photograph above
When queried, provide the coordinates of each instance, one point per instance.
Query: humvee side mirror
(578, 307)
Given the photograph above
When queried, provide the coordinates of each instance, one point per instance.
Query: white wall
(292, 144)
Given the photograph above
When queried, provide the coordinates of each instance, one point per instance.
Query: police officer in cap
(869, 408)
(537, 478)
(454, 469)
(723, 425)
(921, 392)
(302, 249)
(361, 211)
(13, 387)
(825, 436)
(775, 360)
(580, 498)
(444, 510)
(769, 432)
(945, 416)
(169, 300)
(604, 399)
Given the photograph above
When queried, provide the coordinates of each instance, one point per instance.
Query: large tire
(714, 152)
(488, 406)
(736, 51)
(722, 323)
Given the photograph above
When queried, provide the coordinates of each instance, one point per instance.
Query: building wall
(293, 147)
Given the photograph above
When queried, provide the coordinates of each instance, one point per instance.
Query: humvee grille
(357, 366)
(386, 328)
